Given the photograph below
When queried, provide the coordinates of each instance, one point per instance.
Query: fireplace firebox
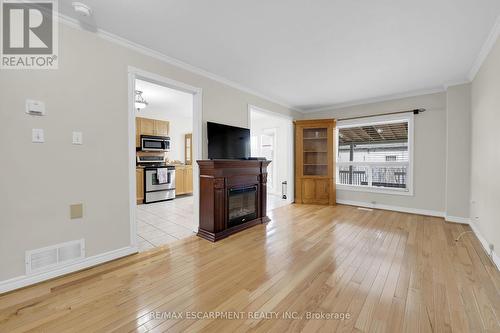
(232, 196)
(242, 205)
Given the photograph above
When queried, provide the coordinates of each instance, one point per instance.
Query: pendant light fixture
(140, 102)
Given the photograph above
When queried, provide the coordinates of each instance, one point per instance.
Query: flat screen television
(228, 142)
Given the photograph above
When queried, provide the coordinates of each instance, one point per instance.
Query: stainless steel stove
(156, 187)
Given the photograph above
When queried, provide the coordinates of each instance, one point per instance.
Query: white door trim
(291, 147)
(274, 187)
(133, 74)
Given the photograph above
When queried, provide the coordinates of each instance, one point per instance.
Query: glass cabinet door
(315, 150)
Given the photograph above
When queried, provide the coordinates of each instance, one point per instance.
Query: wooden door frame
(134, 74)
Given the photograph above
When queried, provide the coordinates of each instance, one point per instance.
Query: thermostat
(35, 108)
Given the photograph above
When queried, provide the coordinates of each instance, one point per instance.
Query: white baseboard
(393, 208)
(457, 219)
(26, 280)
(454, 219)
(485, 244)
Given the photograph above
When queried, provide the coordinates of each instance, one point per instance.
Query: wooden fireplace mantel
(217, 178)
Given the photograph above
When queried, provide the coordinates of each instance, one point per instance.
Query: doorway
(164, 141)
(272, 138)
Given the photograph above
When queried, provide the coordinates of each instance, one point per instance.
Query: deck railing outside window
(375, 156)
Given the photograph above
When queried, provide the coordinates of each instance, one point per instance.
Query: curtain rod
(415, 111)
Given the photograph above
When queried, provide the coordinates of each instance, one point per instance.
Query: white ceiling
(164, 103)
(310, 54)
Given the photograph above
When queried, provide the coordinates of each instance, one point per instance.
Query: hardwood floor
(385, 271)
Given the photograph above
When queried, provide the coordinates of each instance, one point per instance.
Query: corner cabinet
(315, 161)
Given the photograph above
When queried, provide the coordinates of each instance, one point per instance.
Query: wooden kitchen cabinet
(183, 179)
(139, 180)
(146, 126)
(137, 132)
(161, 127)
(179, 180)
(188, 179)
(315, 162)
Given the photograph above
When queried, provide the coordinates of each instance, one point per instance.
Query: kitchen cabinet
(188, 179)
(137, 132)
(179, 180)
(139, 180)
(315, 162)
(183, 179)
(146, 126)
(161, 128)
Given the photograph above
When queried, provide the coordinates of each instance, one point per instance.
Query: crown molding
(74, 23)
(485, 49)
(378, 99)
(455, 83)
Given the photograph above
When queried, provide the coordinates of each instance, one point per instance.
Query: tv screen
(227, 142)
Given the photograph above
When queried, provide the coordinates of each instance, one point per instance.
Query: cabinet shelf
(318, 138)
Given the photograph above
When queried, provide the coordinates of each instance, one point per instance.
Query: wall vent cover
(54, 256)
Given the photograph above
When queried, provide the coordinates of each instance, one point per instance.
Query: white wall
(89, 93)
(429, 153)
(458, 146)
(261, 122)
(485, 176)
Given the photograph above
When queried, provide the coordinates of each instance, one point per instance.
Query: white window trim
(375, 120)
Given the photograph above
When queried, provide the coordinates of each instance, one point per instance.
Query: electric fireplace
(232, 196)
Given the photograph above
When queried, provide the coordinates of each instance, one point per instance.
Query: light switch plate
(77, 138)
(37, 135)
(76, 211)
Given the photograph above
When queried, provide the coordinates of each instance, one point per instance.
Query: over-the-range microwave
(155, 143)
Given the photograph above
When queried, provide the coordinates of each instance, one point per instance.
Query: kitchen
(164, 170)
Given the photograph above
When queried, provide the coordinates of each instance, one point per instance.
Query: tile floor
(165, 222)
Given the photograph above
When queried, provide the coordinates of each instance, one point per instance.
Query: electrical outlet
(492, 247)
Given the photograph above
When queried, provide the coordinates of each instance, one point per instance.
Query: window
(375, 154)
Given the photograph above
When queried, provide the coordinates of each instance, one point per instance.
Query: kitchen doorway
(164, 143)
